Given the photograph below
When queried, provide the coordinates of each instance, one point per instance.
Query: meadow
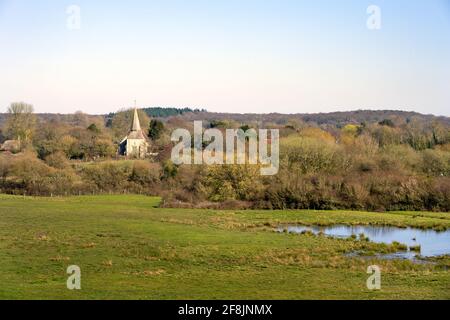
(129, 248)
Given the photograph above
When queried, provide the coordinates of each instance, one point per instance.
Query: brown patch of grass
(60, 259)
(147, 273)
(43, 237)
(153, 273)
(149, 258)
(178, 221)
(88, 245)
(107, 263)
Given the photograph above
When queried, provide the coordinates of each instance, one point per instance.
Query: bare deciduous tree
(21, 121)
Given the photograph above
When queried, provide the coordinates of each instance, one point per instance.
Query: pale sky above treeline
(287, 56)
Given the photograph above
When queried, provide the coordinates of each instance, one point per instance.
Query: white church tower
(136, 143)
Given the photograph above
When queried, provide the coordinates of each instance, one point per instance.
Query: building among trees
(136, 144)
(12, 146)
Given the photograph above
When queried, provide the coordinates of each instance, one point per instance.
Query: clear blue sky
(226, 55)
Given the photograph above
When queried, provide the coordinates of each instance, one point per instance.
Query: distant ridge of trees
(338, 119)
(160, 112)
(157, 112)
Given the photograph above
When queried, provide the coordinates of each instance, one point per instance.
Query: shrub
(30, 171)
(5, 166)
(57, 160)
(109, 176)
(145, 173)
(311, 155)
(436, 162)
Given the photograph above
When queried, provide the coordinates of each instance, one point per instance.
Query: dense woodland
(360, 160)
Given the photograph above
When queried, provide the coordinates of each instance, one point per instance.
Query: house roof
(10, 145)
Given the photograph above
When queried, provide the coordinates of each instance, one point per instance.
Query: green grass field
(127, 248)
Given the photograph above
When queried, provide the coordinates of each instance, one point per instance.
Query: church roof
(136, 126)
(136, 135)
(136, 130)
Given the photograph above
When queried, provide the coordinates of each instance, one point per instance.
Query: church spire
(136, 124)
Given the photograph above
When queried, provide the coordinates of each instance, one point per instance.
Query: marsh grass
(363, 237)
(397, 246)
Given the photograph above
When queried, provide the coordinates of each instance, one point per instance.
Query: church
(136, 144)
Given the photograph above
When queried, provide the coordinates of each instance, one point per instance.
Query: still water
(432, 243)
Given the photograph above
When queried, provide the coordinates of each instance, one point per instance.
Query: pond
(432, 243)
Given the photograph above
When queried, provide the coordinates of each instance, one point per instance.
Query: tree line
(392, 163)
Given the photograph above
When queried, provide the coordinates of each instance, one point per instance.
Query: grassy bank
(128, 248)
